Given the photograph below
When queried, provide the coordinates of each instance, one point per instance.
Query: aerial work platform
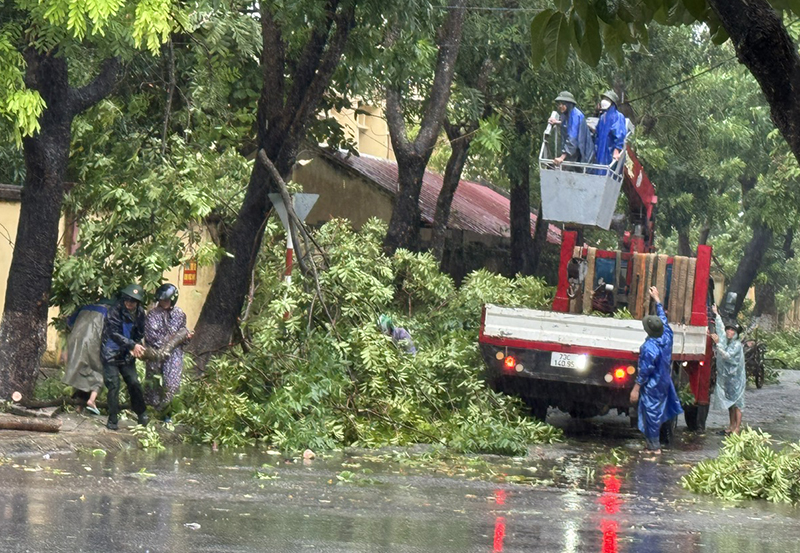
(579, 193)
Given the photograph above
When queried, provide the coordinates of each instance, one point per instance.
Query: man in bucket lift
(611, 130)
(576, 140)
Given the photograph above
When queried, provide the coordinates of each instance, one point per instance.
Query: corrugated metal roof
(476, 208)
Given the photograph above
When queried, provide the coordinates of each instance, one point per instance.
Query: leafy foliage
(592, 27)
(316, 371)
(749, 467)
(148, 437)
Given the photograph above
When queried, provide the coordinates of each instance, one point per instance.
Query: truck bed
(555, 331)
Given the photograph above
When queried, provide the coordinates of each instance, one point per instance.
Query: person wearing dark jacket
(123, 334)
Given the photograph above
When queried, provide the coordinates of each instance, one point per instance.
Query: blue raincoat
(658, 400)
(610, 136)
(731, 378)
(576, 140)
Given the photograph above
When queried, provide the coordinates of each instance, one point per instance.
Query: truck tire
(584, 410)
(538, 408)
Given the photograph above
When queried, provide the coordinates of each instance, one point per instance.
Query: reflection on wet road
(580, 496)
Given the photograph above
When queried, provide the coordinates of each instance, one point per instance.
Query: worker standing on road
(611, 130)
(123, 334)
(658, 400)
(731, 377)
(576, 140)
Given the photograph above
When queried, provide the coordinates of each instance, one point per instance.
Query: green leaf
(563, 5)
(557, 39)
(613, 44)
(697, 8)
(720, 36)
(606, 9)
(537, 36)
(592, 46)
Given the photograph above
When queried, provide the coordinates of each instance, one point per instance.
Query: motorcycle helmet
(169, 292)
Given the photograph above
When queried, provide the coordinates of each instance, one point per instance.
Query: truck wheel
(538, 408)
(584, 411)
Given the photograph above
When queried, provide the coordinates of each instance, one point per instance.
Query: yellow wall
(367, 129)
(9, 220)
(191, 298)
(340, 194)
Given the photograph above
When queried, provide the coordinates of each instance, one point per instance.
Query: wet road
(565, 498)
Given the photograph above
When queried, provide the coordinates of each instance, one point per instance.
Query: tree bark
(705, 231)
(518, 169)
(412, 157)
(765, 301)
(749, 265)
(684, 245)
(284, 111)
(764, 46)
(23, 329)
(8, 422)
(459, 143)
(539, 241)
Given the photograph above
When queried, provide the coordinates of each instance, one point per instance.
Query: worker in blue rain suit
(658, 400)
(576, 140)
(731, 377)
(611, 130)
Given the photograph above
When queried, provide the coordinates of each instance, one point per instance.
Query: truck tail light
(510, 362)
(620, 373)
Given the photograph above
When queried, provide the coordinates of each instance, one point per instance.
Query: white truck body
(584, 331)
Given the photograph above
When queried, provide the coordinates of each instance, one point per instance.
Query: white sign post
(302, 204)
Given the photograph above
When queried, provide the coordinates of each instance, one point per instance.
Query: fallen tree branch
(10, 422)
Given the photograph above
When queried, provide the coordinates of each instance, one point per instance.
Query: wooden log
(641, 269)
(588, 283)
(9, 422)
(661, 277)
(649, 260)
(691, 266)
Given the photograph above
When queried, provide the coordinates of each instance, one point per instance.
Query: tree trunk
(23, 330)
(705, 231)
(518, 169)
(285, 107)
(684, 246)
(452, 176)
(764, 46)
(765, 301)
(748, 266)
(539, 240)
(412, 157)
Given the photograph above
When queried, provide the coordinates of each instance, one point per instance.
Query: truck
(578, 357)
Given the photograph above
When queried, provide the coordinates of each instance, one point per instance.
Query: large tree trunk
(23, 330)
(459, 143)
(412, 157)
(764, 46)
(285, 108)
(519, 175)
(748, 266)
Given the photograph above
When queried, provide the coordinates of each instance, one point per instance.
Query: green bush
(749, 467)
(316, 371)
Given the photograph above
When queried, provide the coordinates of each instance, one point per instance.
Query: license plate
(568, 360)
